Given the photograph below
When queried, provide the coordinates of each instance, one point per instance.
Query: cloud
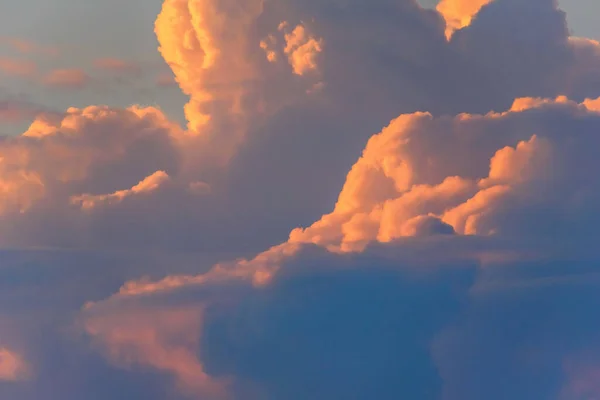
(302, 50)
(12, 366)
(41, 169)
(472, 213)
(419, 199)
(67, 78)
(459, 13)
(252, 121)
(165, 341)
(17, 67)
(148, 184)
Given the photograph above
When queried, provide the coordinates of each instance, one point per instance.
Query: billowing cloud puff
(206, 45)
(249, 117)
(302, 50)
(80, 152)
(421, 167)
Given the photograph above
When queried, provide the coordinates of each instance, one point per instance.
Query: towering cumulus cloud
(206, 44)
(502, 206)
(423, 181)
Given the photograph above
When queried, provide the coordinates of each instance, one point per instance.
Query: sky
(299, 199)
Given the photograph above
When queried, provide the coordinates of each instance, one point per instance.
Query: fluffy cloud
(461, 244)
(250, 121)
(302, 49)
(419, 177)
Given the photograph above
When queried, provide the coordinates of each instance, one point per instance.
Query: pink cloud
(17, 67)
(67, 78)
(12, 366)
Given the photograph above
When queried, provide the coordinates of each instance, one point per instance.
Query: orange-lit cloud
(302, 49)
(67, 78)
(408, 183)
(17, 67)
(58, 151)
(148, 184)
(459, 13)
(166, 340)
(208, 51)
(268, 45)
(12, 366)
(82, 178)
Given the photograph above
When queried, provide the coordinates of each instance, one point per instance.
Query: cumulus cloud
(449, 227)
(302, 49)
(415, 179)
(249, 117)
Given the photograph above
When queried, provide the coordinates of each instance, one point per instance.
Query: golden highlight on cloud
(459, 13)
(302, 50)
(208, 51)
(148, 184)
(12, 366)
